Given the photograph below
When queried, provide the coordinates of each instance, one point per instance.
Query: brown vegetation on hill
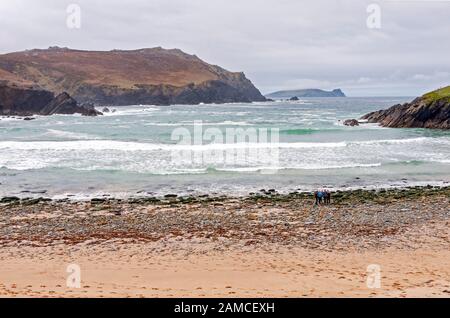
(144, 76)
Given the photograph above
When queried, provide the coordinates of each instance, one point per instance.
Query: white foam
(190, 123)
(301, 167)
(10, 119)
(27, 163)
(128, 110)
(137, 146)
(394, 141)
(69, 135)
(442, 161)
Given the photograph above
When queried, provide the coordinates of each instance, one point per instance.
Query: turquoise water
(130, 152)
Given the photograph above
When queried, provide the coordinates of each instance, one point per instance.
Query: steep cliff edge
(146, 76)
(432, 110)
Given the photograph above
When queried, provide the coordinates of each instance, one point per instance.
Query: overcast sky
(279, 44)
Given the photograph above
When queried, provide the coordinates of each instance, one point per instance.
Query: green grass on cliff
(438, 94)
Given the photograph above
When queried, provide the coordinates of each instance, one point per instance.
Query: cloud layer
(279, 44)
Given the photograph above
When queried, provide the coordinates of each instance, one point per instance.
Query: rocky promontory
(153, 76)
(432, 110)
(22, 98)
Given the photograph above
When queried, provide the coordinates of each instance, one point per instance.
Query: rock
(28, 101)
(87, 105)
(22, 100)
(97, 200)
(432, 110)
(64, 104)
(351, 122)
(9, 199)
(38, 192)
(105, 110)
(295, 98)
(29, 118)
(31, 201)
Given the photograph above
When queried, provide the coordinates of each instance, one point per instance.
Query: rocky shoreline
(24, 101)
(432, 111)
(358, 218)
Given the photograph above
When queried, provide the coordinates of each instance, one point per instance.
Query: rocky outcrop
(64, 104)
(429, 111)
(27, 101)
(146, 76)
(351, 122)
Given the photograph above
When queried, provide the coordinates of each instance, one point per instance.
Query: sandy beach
(263, 245)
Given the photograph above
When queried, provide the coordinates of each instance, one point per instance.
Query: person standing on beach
(318, 195)
(327, 197)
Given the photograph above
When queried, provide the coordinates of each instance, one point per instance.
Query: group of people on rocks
(322, 196)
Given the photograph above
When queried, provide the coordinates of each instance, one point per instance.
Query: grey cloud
(278, 44)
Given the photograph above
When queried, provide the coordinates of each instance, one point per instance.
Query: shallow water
(130, 152)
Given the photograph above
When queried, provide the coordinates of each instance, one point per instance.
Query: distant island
(153, 76)
(288, 94)
(431, 110)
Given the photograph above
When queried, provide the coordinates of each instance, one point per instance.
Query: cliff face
(21, 98)
(147, 76)
(429, 111)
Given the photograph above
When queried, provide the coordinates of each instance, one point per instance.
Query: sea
(145, 150)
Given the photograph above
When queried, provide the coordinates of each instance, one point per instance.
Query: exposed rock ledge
(432, 110)
(26, 101)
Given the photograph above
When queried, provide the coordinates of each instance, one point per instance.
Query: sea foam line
(69, 134)
(137, 146)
